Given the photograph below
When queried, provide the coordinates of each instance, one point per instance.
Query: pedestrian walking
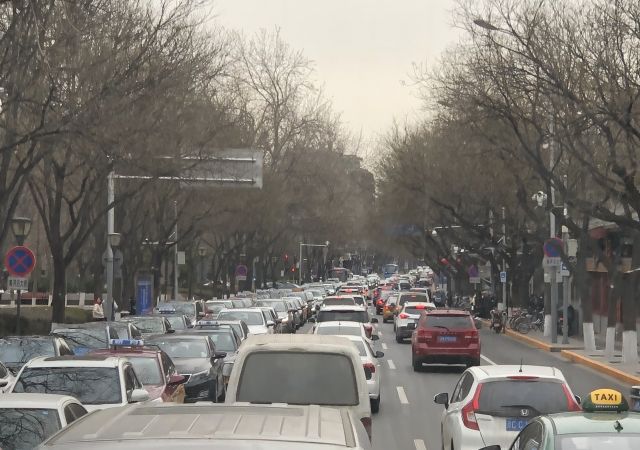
(98, 311)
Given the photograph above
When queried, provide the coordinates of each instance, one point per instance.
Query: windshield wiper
(441, 326)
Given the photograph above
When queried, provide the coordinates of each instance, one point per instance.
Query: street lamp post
(113, 241)
(20, 226)
(202, 252)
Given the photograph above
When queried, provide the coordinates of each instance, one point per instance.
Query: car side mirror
(379, 354)
(492, 447)
(171, 330)
(578, 399)
(374, 320)
(442, 399)
(3, 383)
(312, 319)
(271, 323)
(219, 355)
(175, 380)
(138, 395)
(375, 337)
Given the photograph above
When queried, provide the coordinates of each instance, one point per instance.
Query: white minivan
(301, 369)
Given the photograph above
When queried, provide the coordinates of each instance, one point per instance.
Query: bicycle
(526, 324)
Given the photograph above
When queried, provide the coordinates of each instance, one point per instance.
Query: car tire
(375, 405)
(416, 363)
(399, 339)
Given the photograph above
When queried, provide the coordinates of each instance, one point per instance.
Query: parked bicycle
(530, 322)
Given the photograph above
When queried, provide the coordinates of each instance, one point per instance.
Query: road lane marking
(384, 346)
(392, 366)
(402, 395)
(488, 360)
(420, 445)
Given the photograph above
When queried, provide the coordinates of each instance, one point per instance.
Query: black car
(195, 358)
(15, 351)
(225, 339)
(84, 337)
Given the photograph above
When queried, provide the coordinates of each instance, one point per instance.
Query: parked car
(196, 358)
(301, 369)
(15, 351)
(490, 405)
(97, 381)
(26, 420)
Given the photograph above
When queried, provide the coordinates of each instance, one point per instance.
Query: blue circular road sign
(553, 247)
(20, 261)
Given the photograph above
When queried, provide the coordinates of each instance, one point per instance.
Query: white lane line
(392, 366)
(402, 395)
(384, 346)
(488, 360)
(420, 445)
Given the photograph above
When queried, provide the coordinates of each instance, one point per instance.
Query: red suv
(445, 336)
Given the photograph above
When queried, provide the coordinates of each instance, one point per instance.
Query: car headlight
(200, 377)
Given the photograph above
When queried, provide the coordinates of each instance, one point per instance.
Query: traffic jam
(296, 367)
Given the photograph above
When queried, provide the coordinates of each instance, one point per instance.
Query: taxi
(604, 423)
(154, 368)
(390, 308)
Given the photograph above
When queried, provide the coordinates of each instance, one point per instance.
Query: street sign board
(474, 280)
(553, 247)
(564, 271)
(503, 277)
(473, 271)
(241, 272)
(20, 261)
(182, 260)
(551, 261)
(18, 283)
(236, 167)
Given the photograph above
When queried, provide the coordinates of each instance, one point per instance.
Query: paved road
(408, 418)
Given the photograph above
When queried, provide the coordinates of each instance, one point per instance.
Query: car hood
(258, 329)
(191, 365)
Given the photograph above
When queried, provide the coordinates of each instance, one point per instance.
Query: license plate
(446, 338)
(411, 326)
(516, 424)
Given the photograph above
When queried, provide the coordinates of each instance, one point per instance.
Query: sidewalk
(574, 351)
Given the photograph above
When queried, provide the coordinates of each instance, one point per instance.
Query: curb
(529, 340)
(611, 371)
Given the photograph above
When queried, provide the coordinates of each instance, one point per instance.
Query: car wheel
(375, 405)
(399, 339)
(417, 364)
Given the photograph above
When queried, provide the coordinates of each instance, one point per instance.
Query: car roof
(300, 424)
(247, 309)
(75, 361)
(426, 304)
(26, 338)
(126, 351)
(503, 371)
(598, 422)
(173, 337)
(343, 308)
(339, 323)
(448, 312)
(305, 342)
(35, 401)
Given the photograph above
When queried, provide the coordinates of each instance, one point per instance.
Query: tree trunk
(59, 281)
(547, 309)
(629, 308)
(582, 284)
(612, 313)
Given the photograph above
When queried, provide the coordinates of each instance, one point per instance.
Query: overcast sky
(362, 50)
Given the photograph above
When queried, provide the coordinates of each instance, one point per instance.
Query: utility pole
(552, 233)
(175, 253)
(566, 285)
(504, 262)
(109, 256)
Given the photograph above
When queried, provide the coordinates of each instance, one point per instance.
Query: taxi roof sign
(126, 342)
(605, 400)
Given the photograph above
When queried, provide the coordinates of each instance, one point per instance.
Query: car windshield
(503, 397)
(214, 308)
(149, 324)
(147, 369)
(339, 330)
(449, 322)
(188, 309)
(82, 340)
(183, 348)
(331, 376)
(343, 315)
(339, 301)
(25, 429)
(278, 306)
(90, 385)
(598, 441)
(224, 342)
(177, 322)
(22, 350)
(250, 317)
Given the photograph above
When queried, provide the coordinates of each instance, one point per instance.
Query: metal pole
(300, 268)
(253, 275)
(565, 286)
(504, 262)
(110, 230)
(18, 328)
(552, 233)
(175, 254)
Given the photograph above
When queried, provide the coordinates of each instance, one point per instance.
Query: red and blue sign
(20, 261)
(553, 247)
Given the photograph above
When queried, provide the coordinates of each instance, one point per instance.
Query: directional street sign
(18, 283)
(474, 280)
(503, 277)
(20, 261)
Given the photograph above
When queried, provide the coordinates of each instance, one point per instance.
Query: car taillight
(403, 316)
(471, 336)
(380, 303)
(572, 404)
(469, 411)
(366, 422)
(424, 336)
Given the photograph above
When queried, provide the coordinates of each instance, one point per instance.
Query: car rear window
(303, 378)
(449, 322)
(340, 331)
(508, 397)
(338, 301)
(344, 316)
(413, 297)
(415, 310)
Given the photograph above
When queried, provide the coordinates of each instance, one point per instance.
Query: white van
(305, 369)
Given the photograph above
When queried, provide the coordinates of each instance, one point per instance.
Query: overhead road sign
(20, 261)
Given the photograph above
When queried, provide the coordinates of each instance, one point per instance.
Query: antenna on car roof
(520, 365)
